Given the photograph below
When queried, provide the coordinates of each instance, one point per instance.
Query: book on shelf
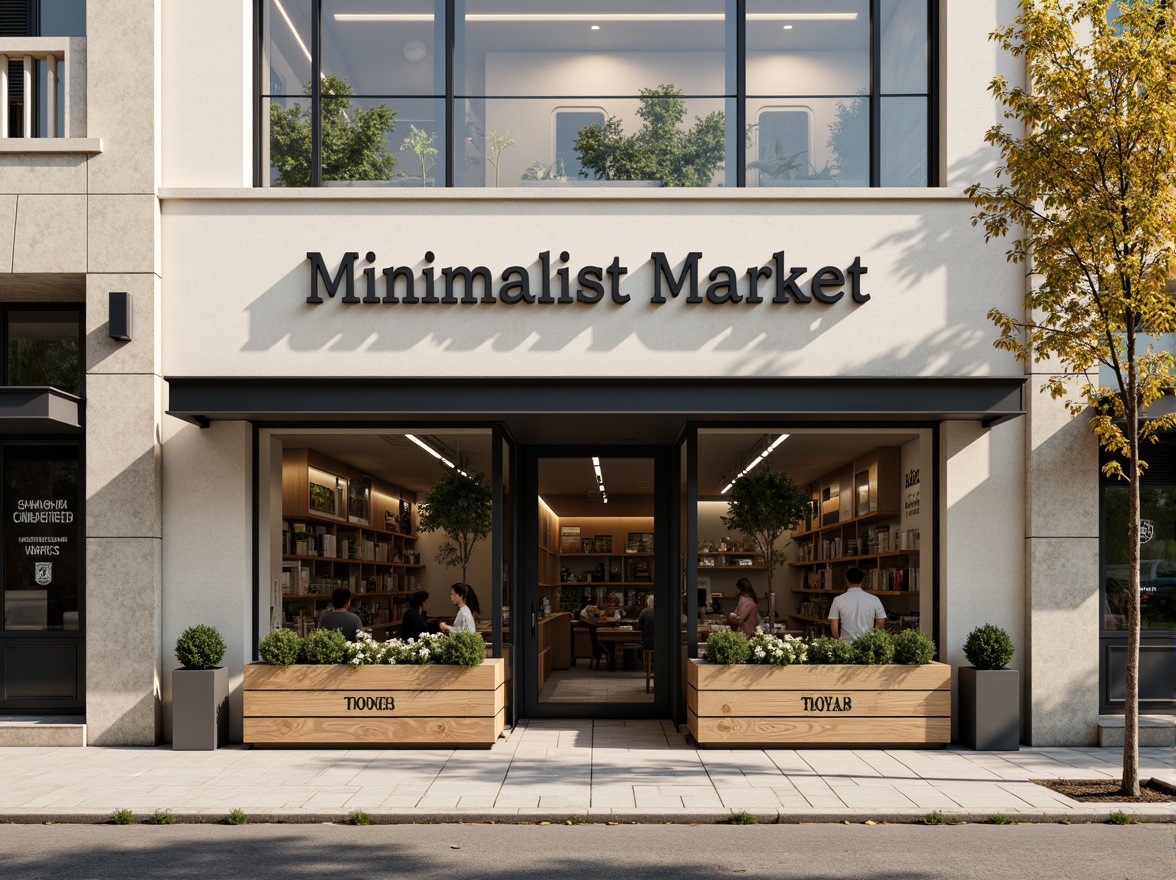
(603, 543)
(569, 539)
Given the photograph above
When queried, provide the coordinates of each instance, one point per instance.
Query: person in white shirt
(464, 621)
(855, 611)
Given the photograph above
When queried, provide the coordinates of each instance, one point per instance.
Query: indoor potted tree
(458, 505)
(200, 691)
(764, 505)
(989, 694)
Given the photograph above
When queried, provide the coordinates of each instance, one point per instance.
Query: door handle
(534, 623)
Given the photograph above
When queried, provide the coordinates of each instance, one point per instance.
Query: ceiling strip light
(293, 29)
(433, 452)
(755, 461)
(572, 17)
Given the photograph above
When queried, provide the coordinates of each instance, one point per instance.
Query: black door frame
(524, 628)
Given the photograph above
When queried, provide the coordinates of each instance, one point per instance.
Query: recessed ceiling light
(787, 27)
(595, 27)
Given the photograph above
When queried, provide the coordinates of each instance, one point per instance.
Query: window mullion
(316, 93)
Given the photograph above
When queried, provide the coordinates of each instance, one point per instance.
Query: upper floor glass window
(43, 347)
(664, 93)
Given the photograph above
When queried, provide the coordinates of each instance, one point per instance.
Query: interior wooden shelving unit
(343, 528)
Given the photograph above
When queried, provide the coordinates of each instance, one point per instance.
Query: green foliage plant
(499, 144)
(913, 647)
(988, 647)
(742, 818)
(462, 649)
(358, 817)
(541, 171)
(727, 648)
(764, 504)
(354, 140)
(282, 647)
(1000, 819)
(874, 647)
(423, 146)
(661, 149)
(236, 817)
(934, 818)
(122, 817)
(1118, 817)
(1088, 190)
(848, 140)
(200, 647)
(458, 505)
(325, 646)
(825, 649)
(161, 817)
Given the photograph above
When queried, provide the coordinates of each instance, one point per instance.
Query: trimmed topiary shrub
(727, 648)
(989, 647)
(200, 647)
(829, 650)
(873, 648)
(913, 647)
(463, 649)
(325, 646)
(282, 647)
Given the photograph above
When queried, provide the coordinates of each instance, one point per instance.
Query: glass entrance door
(596, 583)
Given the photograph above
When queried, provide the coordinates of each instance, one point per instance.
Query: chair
(648, 654)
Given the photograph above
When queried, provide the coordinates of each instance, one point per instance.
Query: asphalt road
(598, 852)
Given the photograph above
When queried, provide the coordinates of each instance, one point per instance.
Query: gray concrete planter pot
(200, 709)
(989, 709)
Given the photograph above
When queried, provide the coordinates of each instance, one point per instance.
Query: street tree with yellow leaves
(1087, 195)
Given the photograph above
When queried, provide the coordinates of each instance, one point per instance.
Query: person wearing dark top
(416, 618)
(473, 604)
(645, 624)
(339, 617)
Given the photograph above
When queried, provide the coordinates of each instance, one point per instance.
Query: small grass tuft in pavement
(122, 817)
(1000, 819)
(236, 817)
(742, 818)
(162, 817)
(358, 817)
(937, 818)
(1118, 817)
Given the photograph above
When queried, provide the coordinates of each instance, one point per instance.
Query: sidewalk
(622, 771)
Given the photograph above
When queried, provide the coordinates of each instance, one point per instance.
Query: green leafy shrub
(1118, 817)
(237, 817)
(162, 817)
(742, 818)
(122, 817)
(829, 650)
(913, 647)
(200, 647)
(989, 647)
(325, 646)
(358, 817)
(462, 649)
(873, 648)
(727, 648)
(282, 647)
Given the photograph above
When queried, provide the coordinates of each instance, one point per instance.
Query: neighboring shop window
(1157, 544)
(44, 348)
(33, 18)
(41, 554)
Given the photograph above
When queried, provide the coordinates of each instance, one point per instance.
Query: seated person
(416, 618)
(591, 617)
(463, 621)
(645, 624)
(340, 617)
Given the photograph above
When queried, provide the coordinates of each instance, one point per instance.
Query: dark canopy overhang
(30, 410)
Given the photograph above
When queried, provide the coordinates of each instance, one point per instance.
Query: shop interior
(349, 516)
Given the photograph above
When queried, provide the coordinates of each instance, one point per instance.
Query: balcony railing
(52, 101)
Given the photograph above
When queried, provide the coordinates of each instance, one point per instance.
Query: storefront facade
(818, 278)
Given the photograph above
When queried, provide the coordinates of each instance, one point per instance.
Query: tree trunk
(1131, 696)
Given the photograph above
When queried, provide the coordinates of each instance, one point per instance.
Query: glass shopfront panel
(807, 49)
(44, 349)
(41, 538)
(1157, 563)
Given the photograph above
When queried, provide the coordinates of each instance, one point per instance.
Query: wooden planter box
(411, 706)
(751, 705)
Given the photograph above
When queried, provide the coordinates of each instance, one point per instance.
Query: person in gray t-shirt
(339, 617)
(855, 611)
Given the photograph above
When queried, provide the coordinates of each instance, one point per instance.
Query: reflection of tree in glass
(48, 362)
(778, 165)
(354, 141)
(660, 150)
(848, 141)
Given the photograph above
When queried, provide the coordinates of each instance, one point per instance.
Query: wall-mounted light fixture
(119, 320)
(753, 458)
